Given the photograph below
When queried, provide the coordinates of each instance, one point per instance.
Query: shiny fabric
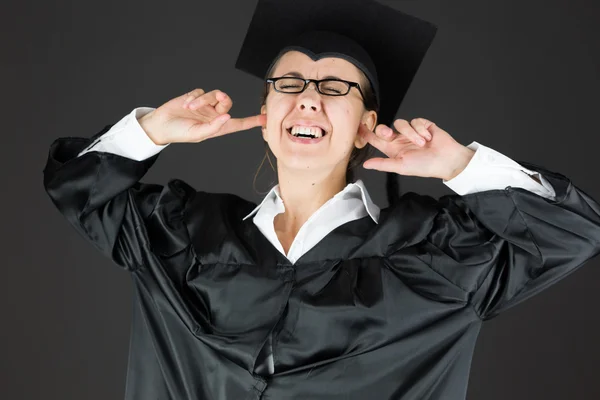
(487, 170)
(383, 311)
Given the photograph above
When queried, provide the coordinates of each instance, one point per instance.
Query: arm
(95, 182)
(98, 191)
(504, 246)
(498, 243)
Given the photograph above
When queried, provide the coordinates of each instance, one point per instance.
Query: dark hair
(358, 156)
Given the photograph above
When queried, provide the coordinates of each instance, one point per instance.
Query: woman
(316, 293)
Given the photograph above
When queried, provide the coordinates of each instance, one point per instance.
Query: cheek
(277, 109)
(345, 121)
(344, 111)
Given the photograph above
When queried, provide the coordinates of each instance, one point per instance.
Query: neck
(302, 195)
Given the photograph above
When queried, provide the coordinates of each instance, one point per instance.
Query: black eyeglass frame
(317, 83)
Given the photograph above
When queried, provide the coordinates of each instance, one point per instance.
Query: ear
(263, 110)
(370, 119)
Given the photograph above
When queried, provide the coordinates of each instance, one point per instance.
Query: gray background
(518, 76)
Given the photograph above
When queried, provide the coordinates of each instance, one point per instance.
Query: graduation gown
(384, 311)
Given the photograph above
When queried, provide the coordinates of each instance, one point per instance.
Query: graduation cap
(387, 45)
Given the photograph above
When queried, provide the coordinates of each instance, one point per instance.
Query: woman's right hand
(194, 117)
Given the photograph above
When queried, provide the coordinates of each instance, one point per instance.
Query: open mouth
(308, 133)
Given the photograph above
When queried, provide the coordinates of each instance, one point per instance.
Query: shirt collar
(372, 209)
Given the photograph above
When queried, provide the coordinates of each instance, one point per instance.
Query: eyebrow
(299, 75)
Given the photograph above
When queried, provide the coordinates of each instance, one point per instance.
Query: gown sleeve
(504, 246)
(99, 193)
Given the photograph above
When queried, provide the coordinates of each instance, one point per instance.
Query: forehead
(331, 66)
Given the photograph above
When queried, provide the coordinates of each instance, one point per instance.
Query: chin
(303, 164)
(314, 165)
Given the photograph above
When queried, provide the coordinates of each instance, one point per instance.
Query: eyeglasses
(327, 87)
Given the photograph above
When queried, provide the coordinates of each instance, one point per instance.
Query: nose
(310, 99)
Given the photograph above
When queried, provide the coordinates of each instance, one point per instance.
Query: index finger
(373, 139)
(242, 124)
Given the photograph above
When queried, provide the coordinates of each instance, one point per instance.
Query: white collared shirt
(352, 203)
(487, 170)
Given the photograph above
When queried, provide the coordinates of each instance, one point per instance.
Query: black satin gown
(373, 311)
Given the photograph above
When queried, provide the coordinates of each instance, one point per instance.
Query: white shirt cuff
(126, 138)
(489, 170)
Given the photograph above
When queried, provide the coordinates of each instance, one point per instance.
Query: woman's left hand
(420, 148)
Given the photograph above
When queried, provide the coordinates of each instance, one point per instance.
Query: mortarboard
(386, 44)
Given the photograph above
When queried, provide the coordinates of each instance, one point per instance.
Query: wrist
(147, 123)
(462, 158)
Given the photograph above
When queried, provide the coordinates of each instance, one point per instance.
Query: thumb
(384, 164)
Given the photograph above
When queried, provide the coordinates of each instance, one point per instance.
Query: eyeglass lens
(328, 87)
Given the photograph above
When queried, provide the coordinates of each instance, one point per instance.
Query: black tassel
(392, 188)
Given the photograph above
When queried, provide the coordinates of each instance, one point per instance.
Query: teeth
(313, 131)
